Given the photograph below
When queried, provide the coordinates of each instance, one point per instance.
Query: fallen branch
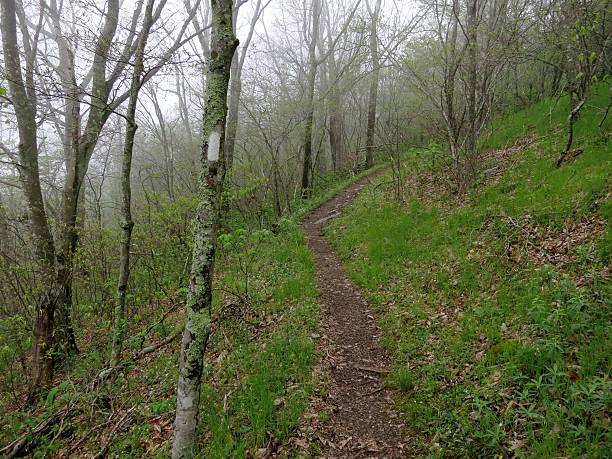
(377, 390)
(107, 372)
(568, 156)
(390, 182)
(331, 216)
(159, 322)
(17, 447)
(603, 119)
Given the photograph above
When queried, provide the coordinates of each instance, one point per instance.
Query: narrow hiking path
(360, 420)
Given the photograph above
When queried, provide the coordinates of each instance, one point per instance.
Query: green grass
(268, 379)
(497, 355)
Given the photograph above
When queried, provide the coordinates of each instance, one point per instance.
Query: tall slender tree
(127, 224)
(236, 81)
(373, 96)
(206, 224)
(311, 78)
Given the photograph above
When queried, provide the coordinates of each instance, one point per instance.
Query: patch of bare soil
(355, 418)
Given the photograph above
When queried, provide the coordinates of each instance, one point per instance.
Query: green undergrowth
(257, 377)
(500, 349)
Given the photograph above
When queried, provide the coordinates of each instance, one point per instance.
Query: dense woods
(157, 156)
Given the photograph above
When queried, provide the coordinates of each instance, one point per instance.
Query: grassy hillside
(496, 307)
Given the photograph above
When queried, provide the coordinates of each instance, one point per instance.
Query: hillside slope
(496, 307)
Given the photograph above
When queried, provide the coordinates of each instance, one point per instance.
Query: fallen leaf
(344, 442)
(300, 443)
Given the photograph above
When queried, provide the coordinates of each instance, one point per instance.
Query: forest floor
(354, 416)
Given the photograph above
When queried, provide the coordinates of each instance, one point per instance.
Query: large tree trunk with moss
(127, 224)
(373, 96)
(24, 103)
(206, 223)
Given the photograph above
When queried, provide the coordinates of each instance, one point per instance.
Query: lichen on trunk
(205, 227)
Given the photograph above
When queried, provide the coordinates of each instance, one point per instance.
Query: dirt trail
(361, 421)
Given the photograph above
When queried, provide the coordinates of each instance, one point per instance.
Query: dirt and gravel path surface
(359, 419)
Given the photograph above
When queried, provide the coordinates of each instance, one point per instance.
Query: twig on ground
(111, 435)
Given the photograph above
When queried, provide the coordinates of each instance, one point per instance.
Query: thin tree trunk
(373, 96)
(472, 77)
(236, 85)
(127, 224)
(336, 130)
(232, 116)
(277, 203)
(312, 77)
(571, 119)
(335, 107)
(199, 300)
(448, 110)
(307, 162)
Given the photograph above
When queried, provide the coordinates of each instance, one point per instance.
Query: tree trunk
(80, 149)
(336, 120)
(232, 116)
(236, 85)
(336, 130)
(24, 103)
(312, 77)
(472, 82)
(307, 162)
(206, 223)
(277, 203)
(64, 338)
(334, 112)
(127, 224)
(449, 111)
(373, 96)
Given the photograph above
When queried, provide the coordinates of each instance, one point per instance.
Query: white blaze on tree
(214, 145)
